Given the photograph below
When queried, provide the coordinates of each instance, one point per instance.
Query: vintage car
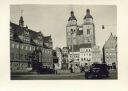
(98, 71)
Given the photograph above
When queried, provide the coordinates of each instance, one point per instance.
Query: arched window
(71, 31)
(88, 31)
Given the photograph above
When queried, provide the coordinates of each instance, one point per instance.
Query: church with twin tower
(81, 40)
(80, 34)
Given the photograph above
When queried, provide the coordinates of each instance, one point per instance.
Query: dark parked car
(98, 71)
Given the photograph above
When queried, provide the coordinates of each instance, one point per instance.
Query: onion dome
(88, 14)
(72, 17)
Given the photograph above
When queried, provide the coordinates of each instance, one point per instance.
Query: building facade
(110, 51)
(81, 40)
(58, 65)
(65, 61)
(80, 34)
(85, 55)
(24, 42)
(96, 55)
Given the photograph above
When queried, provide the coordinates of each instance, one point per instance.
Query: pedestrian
(71, 69)
(86, 70)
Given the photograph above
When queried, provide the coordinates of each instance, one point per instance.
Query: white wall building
(85, 55)
(73, 56)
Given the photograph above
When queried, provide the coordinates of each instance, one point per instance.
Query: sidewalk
(71, 76)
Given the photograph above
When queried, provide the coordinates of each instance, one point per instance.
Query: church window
(88, 40)
(89, 54)
(88, 31)
(71, 31)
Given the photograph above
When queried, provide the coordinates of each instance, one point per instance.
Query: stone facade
(23, 43)
(96, 55)
(81, 40)
(65, 61)
(110, 51)
(58, 65)
(80, 34)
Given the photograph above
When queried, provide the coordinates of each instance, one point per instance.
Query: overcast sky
(52, 19)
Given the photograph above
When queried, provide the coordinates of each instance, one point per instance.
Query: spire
(88, 11)
(72, 17)
(21, 21)
(72, 13)
(88, 14)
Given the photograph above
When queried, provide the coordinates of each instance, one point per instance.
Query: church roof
(18, 30)
(88, 14)
(112, 41)
(85, 45)
(76, 48)
(72, 17)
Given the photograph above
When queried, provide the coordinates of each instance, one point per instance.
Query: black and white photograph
(63, 42)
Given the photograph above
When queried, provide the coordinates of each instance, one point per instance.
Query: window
(17, 56)
(71, 31)
(12, 55)
(26, 47)
(33, 48)
(22, 47)
(30, 48)
(26, 57)
(17, 45)
(13, 45)
(89, 54)
(88, 31)
(21, 56)
(81, 59)
(88, 40)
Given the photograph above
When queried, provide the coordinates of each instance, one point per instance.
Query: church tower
(71, 30)
(21, 22)
(88, 29)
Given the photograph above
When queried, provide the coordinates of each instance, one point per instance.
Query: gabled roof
(76, 48)
(111, 39)
(88, 14)
(85, 45)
